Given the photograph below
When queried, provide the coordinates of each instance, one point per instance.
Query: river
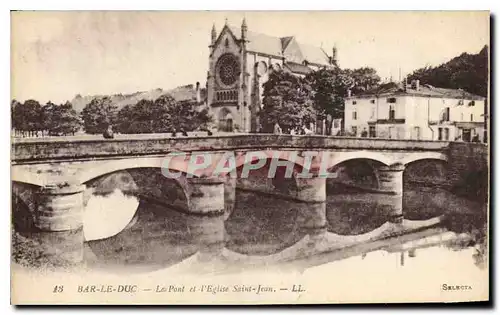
(130, 234)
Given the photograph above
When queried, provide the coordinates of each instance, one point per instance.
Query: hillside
(181, 93)
(467, 71)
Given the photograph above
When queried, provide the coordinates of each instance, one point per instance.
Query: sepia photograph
(249, 157)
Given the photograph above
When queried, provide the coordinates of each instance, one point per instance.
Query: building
(240, 62)
(415, 111)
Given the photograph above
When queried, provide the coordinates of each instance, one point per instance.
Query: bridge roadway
(39, 150)
(50, 176)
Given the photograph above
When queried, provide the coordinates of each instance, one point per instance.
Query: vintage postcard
(302, 157)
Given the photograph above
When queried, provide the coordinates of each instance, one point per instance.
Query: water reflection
(107, 215)
(262, 225)
(156, 238)
(423, 268)
(126, 230)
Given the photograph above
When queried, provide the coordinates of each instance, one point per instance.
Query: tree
(287, 101)
(164, 114)
(363, 79)
(467, 71)
(185, 116)
(203, 119)
(49, 119)
(329, 88)
(26, 117)
(98, 115)
(144, 117)
(14, 119)
(124, 119)
(60, 119)
(68, 120)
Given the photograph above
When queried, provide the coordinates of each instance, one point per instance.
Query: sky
(58, 54)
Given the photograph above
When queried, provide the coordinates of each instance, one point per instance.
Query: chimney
(198, 96)
(415, 85)
(349, 93)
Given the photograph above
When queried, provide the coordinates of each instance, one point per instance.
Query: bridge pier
(229, 196)
(206, 224)
(60, 219)
(312, 195)
(391, 183)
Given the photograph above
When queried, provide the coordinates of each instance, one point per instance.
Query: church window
(227, 69)
(227, 42)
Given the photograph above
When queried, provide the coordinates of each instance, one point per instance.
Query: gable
(226, 41)
(292, 52)
(314, 54)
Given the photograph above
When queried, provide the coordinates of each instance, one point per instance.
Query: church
(240, 62)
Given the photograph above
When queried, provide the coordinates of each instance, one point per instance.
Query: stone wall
(468, 168)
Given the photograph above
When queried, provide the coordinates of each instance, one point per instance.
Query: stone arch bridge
(50, 176)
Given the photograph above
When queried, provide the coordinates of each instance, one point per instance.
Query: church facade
(240, 62)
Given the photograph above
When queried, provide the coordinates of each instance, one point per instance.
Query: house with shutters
(416, 111)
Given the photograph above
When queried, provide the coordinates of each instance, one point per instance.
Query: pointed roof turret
(214, 34)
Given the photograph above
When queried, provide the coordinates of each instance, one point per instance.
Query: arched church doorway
(225, 120)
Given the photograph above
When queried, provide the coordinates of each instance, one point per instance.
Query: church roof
(297, 68)
(260, 42)
(276, 46)
(314, 54)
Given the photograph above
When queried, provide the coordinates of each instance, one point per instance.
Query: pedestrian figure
(364, 133)
(108, 133)
(306, 131)
(277, 129)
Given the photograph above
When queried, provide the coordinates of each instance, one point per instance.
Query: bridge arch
(91, 172)
(288, 168)
(428, 171)
(359, 173)
(414, 157)
(340, 157)
(23, 206)
(26, 176)
(177, 167)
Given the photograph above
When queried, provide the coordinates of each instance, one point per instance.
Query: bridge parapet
(60, 149)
